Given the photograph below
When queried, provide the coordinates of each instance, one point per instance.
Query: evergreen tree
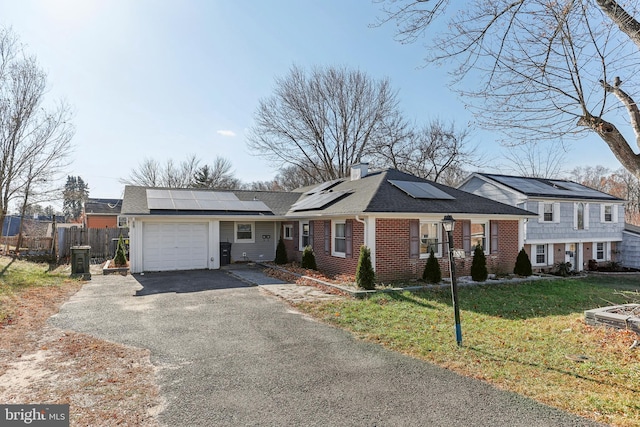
(76, 191)
(432, 272)
(479, 265)
(308, 259)
(120, 258)
(281, 253)
(523, 264)
(365, 276)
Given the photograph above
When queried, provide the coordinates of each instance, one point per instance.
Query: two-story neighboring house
(575, 223)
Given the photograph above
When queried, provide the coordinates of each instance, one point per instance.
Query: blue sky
(168, 78)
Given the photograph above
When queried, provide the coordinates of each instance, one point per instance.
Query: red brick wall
(392, 251)
(336, 265)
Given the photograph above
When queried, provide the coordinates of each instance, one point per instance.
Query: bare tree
(323, 121)
(187, 174)
(34, 140)
(429, 151)
(541, 70)
(535, 160)
(151, 173)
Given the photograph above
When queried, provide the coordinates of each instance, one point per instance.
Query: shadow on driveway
(186, 281)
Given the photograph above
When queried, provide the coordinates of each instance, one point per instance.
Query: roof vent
(359, 170)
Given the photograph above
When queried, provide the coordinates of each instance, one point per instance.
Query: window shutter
(494, 237)
(311, 233)
(348, 238)
(614, 213)
(602, 213)
(556, 213)
(575, 216)
(540, 211)
(414, 238)
(327, 236)
(466, 236)
(586, 216)
(296, 235)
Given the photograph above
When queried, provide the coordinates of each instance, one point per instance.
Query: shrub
(563, 269)
(308, 259)
(120, 259)
(432, 272)
(523, 264)
(281, 253)
(365, 276)
(479, 271)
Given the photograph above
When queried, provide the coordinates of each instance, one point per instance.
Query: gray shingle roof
(135, 201)
(374, 193)
(370, 194)
(555, 188)
(103, 206)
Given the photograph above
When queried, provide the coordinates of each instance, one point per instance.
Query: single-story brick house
(397, 215)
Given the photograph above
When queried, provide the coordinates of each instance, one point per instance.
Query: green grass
(515, 336)
(17, 276)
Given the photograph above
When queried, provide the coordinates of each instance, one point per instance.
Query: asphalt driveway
(231, 354)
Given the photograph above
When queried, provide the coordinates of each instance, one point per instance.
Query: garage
(175, 246)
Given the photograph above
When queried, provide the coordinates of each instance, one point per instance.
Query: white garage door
(175, 246)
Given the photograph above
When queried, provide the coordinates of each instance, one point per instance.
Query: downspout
(364, 227)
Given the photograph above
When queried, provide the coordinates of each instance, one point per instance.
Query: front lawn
(519, 337)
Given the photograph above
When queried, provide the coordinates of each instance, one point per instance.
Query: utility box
(80, 257)
(225, 253)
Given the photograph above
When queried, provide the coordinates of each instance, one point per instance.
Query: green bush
(308, 259)
(479, 271)
(432, 272)
(523, 264)
(281, 253)
(365, 276)
(120, 259)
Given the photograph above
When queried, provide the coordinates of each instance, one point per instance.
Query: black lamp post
(449, 224)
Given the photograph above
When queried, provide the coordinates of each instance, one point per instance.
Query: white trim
(587, 239)
(438, 252)
(235, 232)
(301, 225)
(534, 255)
(333, 238)
(487, 236)
(286, 227)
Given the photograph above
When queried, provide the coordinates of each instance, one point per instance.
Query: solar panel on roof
(323, 187)
(536, 186)
(317, 201)
(421, 190)
(195, 200)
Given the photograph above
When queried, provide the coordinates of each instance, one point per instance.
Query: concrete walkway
(227, 354)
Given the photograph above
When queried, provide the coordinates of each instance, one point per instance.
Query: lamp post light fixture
(449, 224)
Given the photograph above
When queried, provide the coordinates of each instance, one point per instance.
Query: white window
(304, 234)
(581, 216)
(608, 213)
(580, 223)
(288, 232)
(540, 255)
(339, 239)
(601, 251)
(479, 236)
(548, 212)
(430, 238)
(244, 232)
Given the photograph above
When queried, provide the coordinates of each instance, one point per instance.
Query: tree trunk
(627, 23)
(616, 142)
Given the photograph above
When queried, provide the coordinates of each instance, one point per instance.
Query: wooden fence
(103, 241)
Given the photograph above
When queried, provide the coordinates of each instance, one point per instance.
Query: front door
(570, 254)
